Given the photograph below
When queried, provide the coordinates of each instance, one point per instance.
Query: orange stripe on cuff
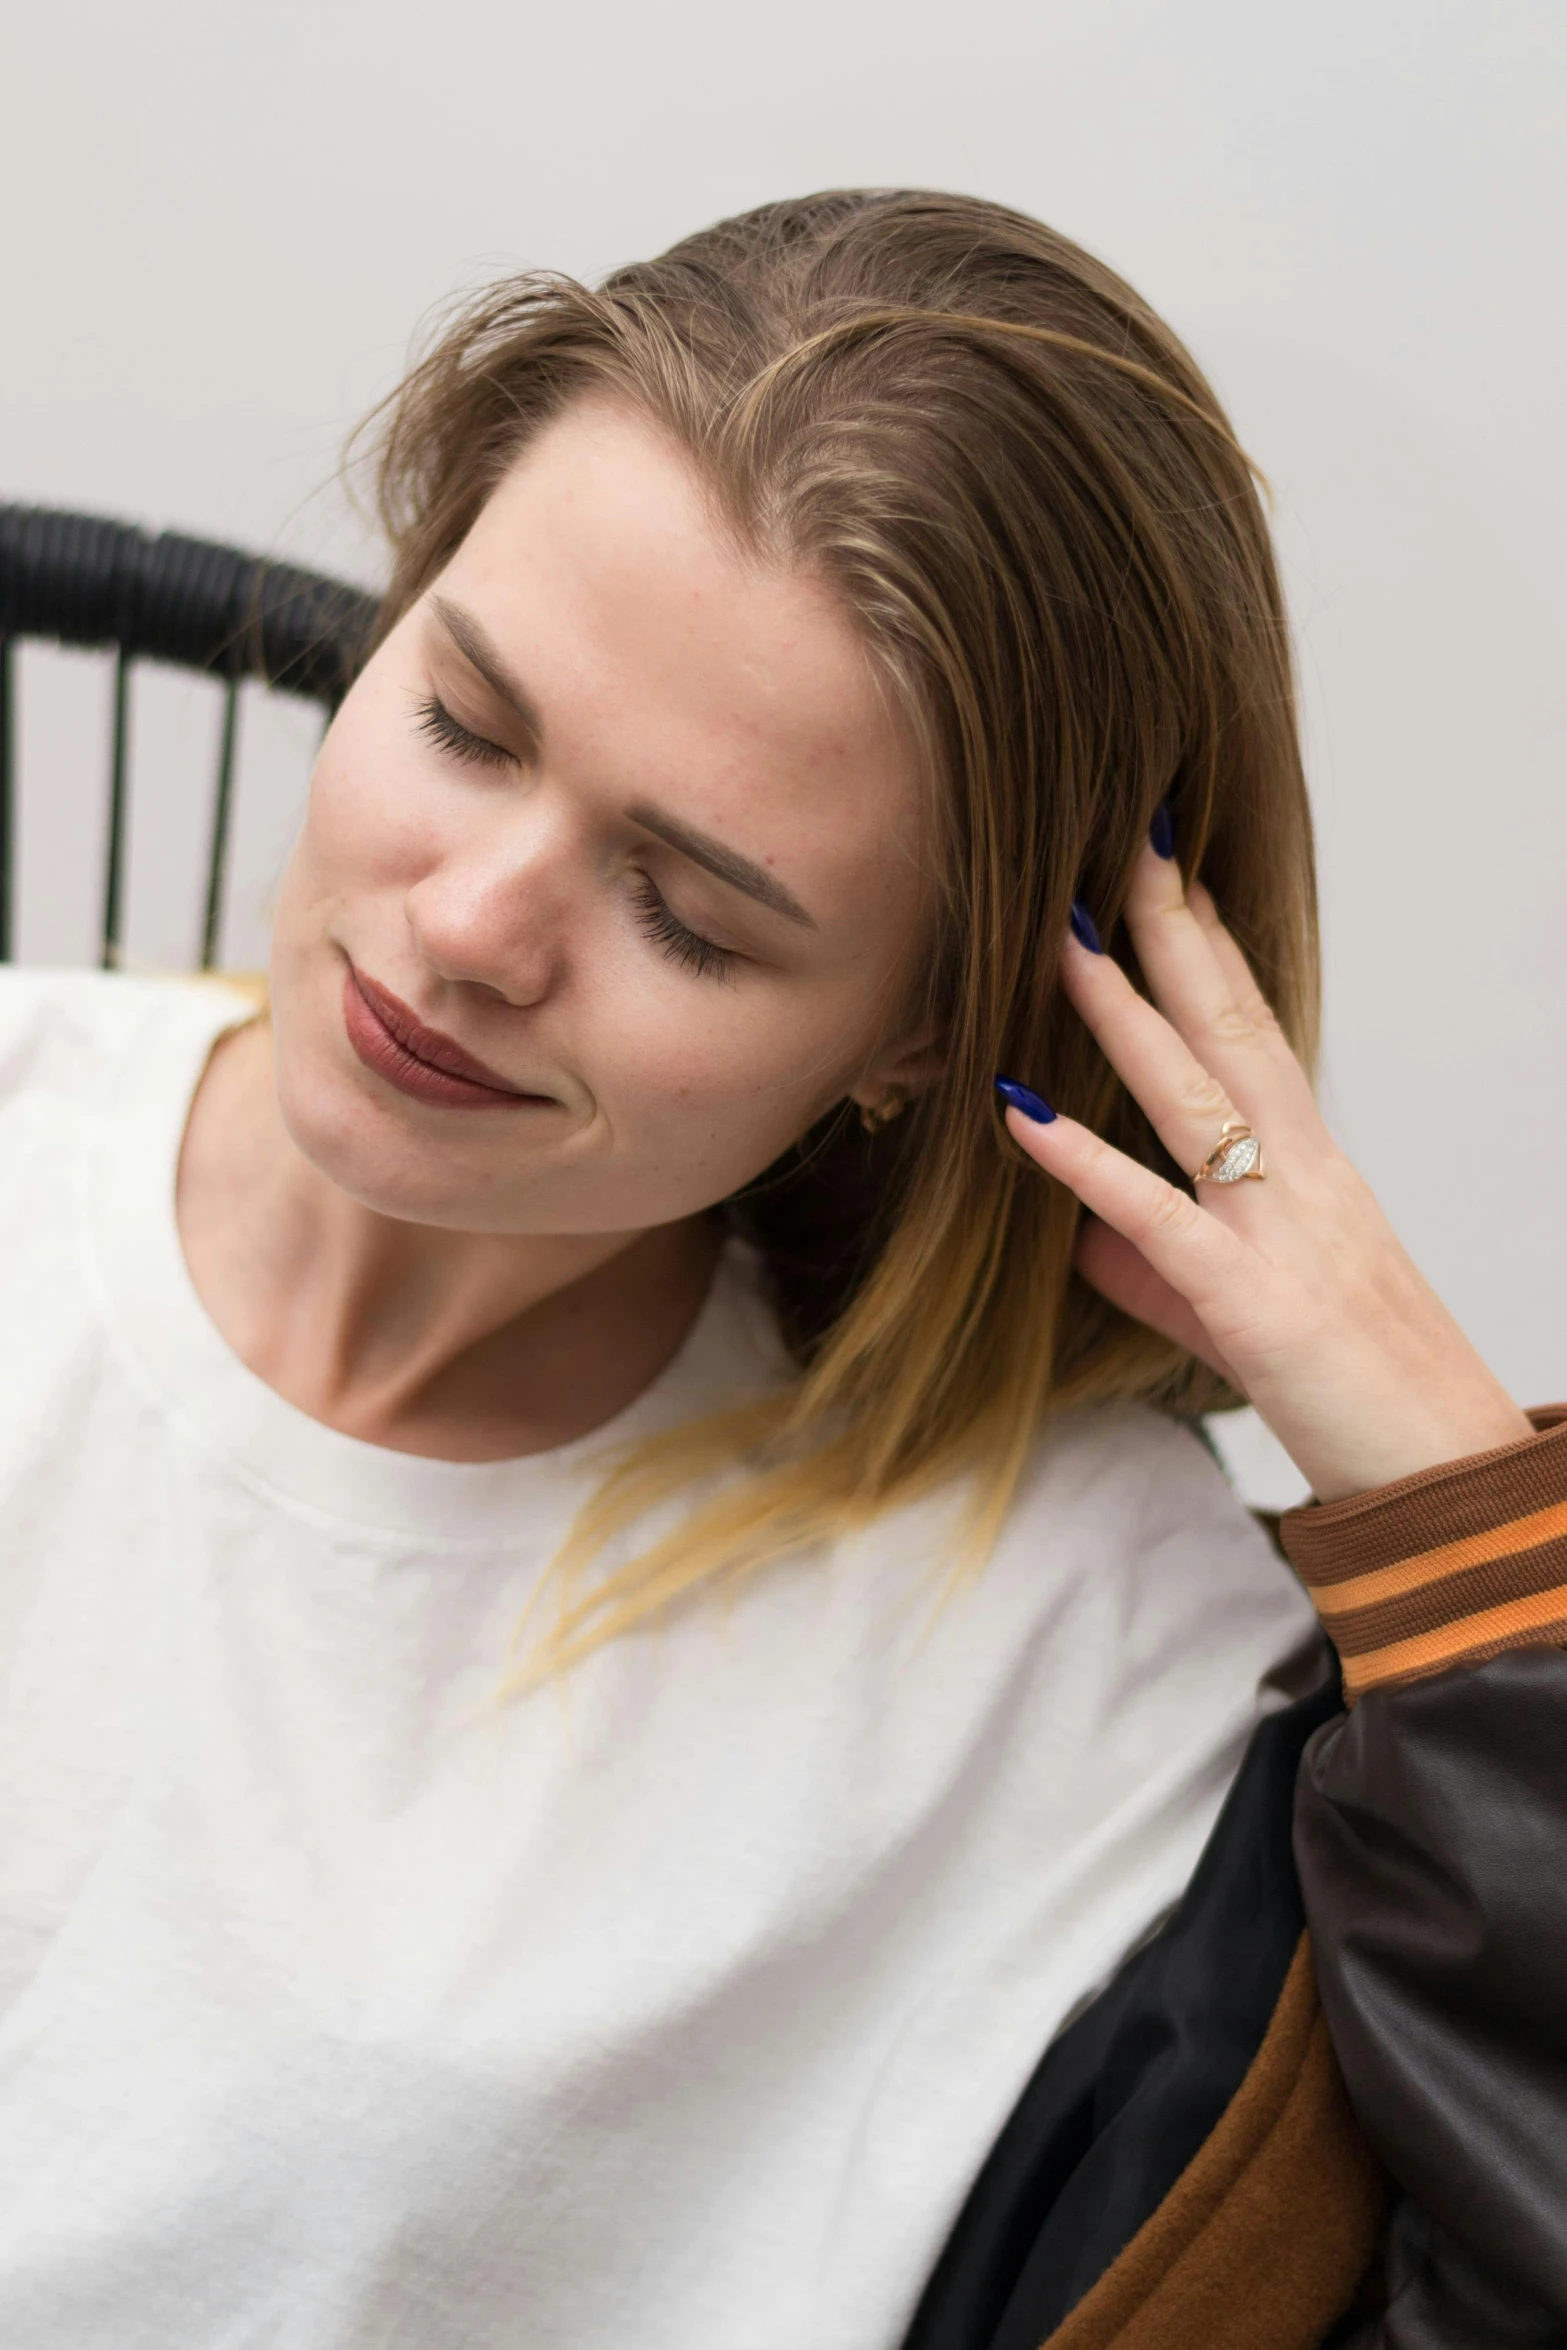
(1448, 1558)
(1515, 1622)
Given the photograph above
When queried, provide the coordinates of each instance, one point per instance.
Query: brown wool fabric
(1270, 2229)
(1442, 1569)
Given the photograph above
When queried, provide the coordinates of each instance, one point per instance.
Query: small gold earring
(874, 1118)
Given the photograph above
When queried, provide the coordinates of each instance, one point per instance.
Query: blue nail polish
(1161, 832)
(1018, 1097)
(1083, 928)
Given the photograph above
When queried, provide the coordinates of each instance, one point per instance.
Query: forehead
(666, 661)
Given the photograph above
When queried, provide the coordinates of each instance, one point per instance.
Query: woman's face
(623, 816)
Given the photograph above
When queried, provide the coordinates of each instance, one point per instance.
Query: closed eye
(681, 944)
(436, 723)
(684, 946)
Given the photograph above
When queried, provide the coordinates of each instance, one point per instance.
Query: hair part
(1033, 510)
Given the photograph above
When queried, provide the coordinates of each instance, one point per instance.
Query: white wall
(224, 221)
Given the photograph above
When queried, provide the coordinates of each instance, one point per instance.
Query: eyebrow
(479, 652)
(714, 856)
(717, 858)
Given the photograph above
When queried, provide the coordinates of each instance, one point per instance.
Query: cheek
(367, 824)
(363, 839)
(702, 1084)
(713, 1092)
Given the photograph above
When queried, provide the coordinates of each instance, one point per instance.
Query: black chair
(78, 580)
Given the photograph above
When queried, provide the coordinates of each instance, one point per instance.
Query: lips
(393, 1042)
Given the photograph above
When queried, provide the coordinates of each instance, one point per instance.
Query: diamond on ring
(1237, 1156)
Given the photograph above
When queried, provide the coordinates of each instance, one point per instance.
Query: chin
(340, 1133)
(366, 1149)
(393, 1165)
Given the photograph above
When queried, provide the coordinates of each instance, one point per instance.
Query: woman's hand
(1295, 1288)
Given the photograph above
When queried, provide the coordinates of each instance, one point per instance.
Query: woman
(815, 670)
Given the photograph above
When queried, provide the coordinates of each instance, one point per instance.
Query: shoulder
(1132, 1472)
(1131, 1514)
(62, 1033)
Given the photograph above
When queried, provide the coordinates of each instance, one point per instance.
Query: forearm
(1431, 1836)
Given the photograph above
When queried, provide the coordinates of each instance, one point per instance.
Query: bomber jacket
(1325, 2107)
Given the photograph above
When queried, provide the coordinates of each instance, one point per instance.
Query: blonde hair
(1036, 515)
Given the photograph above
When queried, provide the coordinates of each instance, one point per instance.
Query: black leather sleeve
(1431, 1839)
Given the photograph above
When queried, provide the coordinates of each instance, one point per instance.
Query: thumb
(1119, 1271)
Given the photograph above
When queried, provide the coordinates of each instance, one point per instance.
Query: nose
(493, 912)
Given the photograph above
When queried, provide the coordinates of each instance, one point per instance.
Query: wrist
(1397, 1452)
(1448, 1566)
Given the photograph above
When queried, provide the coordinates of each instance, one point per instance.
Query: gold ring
(1235, 1158)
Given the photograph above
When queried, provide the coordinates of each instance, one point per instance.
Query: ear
(906, 1068)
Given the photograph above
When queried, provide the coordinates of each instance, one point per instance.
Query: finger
(1239, 975)
(1200, 980)
(1197, 1254)
(1121, 1273)
(1186, 1103)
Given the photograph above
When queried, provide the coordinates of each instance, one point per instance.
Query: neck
(460, 1345)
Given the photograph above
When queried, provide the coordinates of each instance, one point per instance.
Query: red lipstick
(421, 1061)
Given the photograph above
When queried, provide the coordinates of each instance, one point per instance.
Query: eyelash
(458, 741)
(686, 947)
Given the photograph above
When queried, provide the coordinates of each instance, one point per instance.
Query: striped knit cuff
(1446, 1568)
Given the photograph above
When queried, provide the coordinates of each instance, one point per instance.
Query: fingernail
(1161, 832)
(1083, 928)
(1019, 1097)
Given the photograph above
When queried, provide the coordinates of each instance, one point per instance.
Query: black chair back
(80, 580)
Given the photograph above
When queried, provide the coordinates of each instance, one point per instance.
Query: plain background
(226, 223)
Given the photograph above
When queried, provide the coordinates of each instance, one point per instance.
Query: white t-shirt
(674, 2005)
